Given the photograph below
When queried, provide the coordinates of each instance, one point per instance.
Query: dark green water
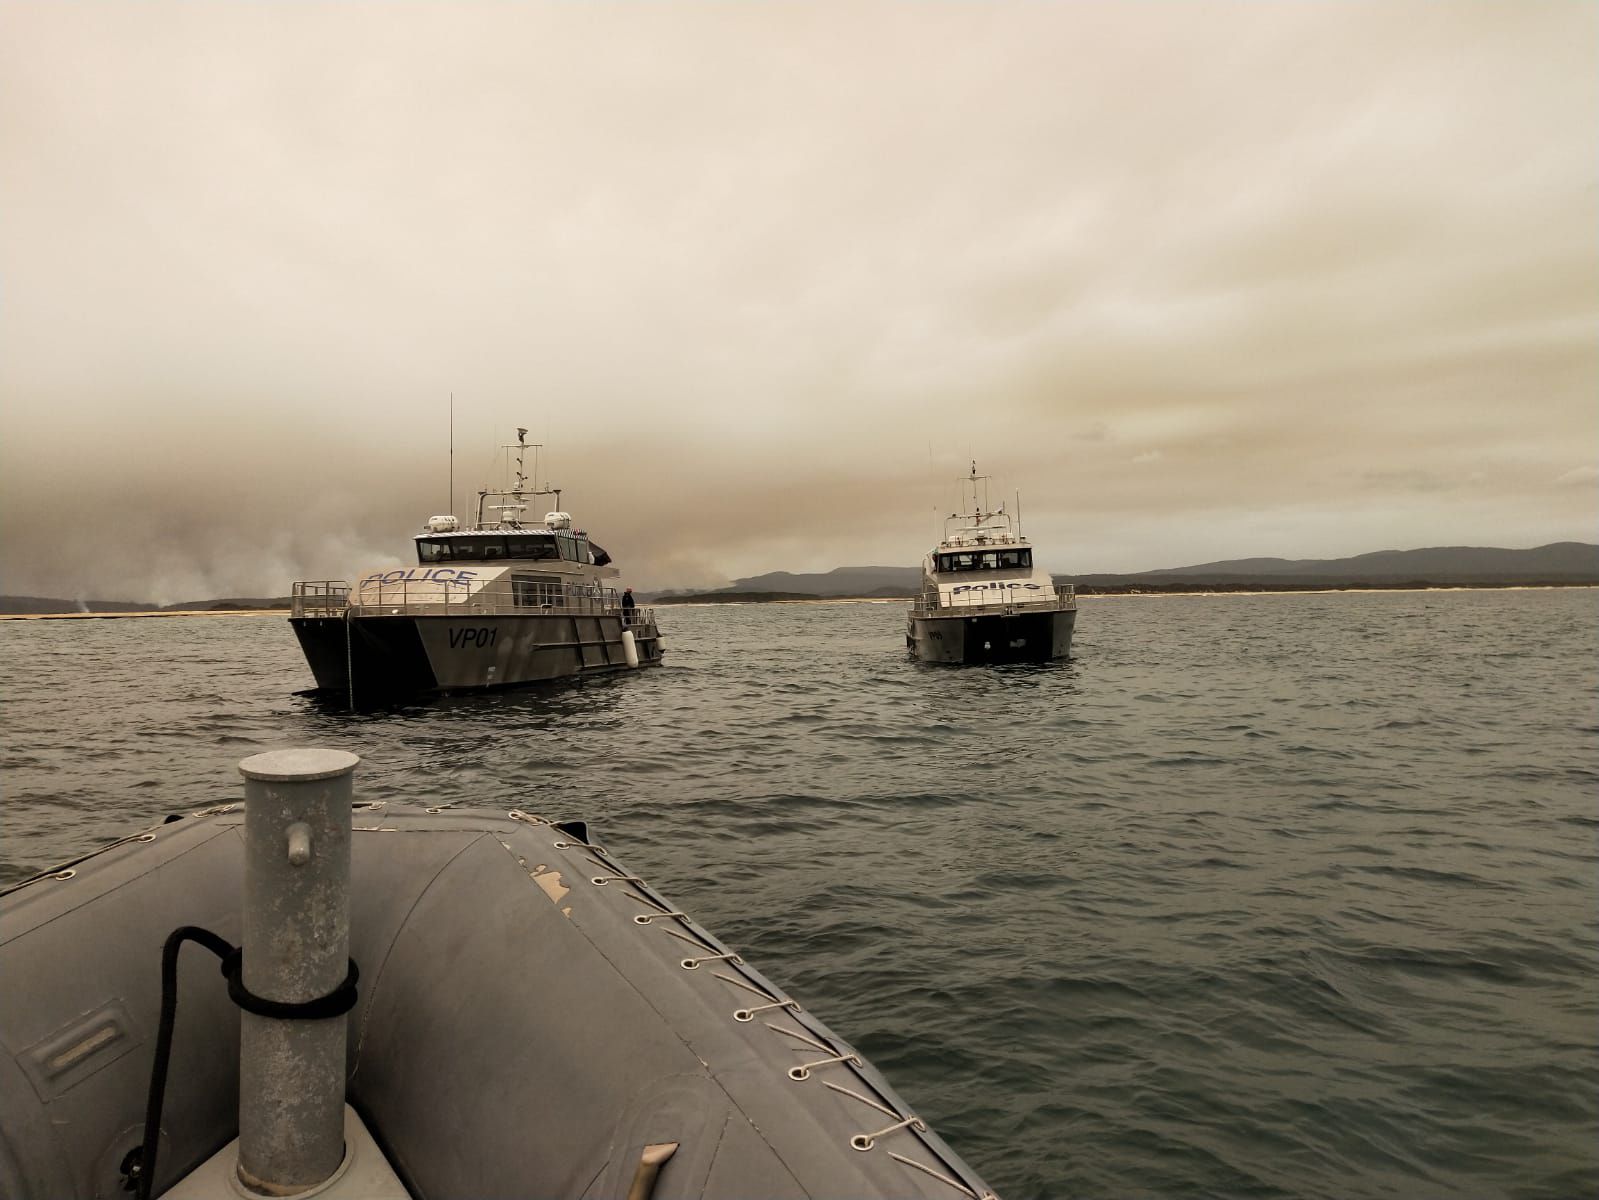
(1258, 896)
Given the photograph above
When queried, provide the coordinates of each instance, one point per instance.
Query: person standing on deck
(628, 605)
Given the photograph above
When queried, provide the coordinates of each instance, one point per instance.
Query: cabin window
(568, 545)
(532, 547)
(535, 591)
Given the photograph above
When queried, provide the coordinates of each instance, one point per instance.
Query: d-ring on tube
(649, 1170)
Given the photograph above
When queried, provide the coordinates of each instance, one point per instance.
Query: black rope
(163, 1043)
(334, 1004)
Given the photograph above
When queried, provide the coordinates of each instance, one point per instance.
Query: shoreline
(1117, 595)
(159, 612)
(1160, 595)
(1335, 591)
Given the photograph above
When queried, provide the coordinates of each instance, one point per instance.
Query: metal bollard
(296, 948)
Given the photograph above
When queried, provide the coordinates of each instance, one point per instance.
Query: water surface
(1257, 896)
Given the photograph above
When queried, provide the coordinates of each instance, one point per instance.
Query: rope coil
(334, 1004)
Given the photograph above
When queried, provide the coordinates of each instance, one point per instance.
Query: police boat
(983, 600)
(444, 1003)
(497, 605)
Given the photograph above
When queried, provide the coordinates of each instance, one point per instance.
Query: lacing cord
(335, 1004)
(712, 951)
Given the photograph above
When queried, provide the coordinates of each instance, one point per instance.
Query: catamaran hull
(1016, 637)
(408, 654)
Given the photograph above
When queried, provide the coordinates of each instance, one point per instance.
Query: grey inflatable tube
(531, 1018)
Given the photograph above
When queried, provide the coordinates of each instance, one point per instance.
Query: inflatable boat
(524, 1017)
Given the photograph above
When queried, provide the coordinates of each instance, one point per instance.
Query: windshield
(986, 560)
(483, 549)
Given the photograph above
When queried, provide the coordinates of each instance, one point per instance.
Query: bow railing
(985, 602)
(320, 598)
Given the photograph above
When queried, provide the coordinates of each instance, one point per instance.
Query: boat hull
(377, 656)
(1010, 637)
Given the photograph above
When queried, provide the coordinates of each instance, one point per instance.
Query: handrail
(985, 603)
(320, 598)
(511, 597)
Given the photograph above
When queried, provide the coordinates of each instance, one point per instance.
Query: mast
(980, 524)
(519, 491)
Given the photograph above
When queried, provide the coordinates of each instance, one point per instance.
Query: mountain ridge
(1482, 566)
(1556, 562)
(1579, 557)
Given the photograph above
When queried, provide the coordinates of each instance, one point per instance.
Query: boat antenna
(521, 450)
(449, 506)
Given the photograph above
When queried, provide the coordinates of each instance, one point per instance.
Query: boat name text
(979, 587)
(446, 575)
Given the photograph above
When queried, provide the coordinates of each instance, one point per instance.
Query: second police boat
(499, 604)
(983, 600)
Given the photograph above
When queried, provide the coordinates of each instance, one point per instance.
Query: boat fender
(629, 648)
(335, 1004)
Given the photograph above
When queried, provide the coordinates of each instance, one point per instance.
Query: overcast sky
(1202, 280)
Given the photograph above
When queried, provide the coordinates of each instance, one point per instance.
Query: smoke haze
(1202, 281)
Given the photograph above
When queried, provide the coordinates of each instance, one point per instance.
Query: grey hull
(408, 654)
(992, 638)
(519, 1033)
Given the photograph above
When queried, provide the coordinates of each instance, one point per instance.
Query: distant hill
(885, 583)
(1447, 566)
(1483, 566)
(1559, 562)
(230, 603)
(728, 597)
(842, 581)
(21, 605)
(44, 604)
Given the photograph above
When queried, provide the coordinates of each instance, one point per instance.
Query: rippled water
(1257, 896)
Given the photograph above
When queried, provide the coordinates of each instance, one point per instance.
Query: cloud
(1409, 481)
(1577, 476)
(765, 278)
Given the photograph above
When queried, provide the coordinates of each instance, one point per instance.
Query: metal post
(296, 948)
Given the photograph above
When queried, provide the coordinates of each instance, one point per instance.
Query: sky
(1199, 280)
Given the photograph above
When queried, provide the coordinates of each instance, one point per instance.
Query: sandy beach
(182, 612)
